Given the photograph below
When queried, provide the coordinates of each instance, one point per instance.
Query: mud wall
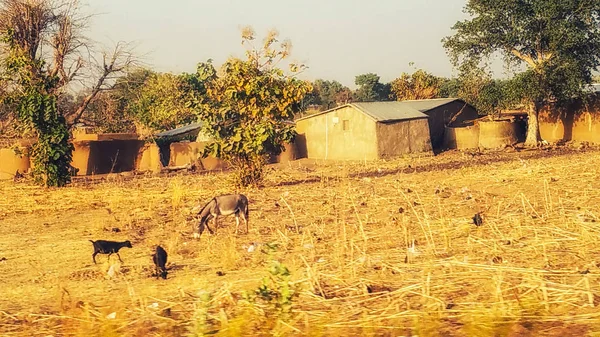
(441, 116)
(148, 159)
(579, 122)
(402, 137)
(105, 156)
(466, 137)
(343, 134)
(185, 153)
(11, 162)
(494, 134)
(288, 154)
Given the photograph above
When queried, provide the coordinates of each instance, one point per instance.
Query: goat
(160, 260)
(223, 205)
(108, 247)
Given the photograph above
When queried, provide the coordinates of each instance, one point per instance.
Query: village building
(375, 130)
(579, 121)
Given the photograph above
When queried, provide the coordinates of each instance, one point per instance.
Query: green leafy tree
(418, 85)
(248, 108)
(449, 87)
(557, 41)
(478, 88)
(370, 89)
(161, 102)
(329, 94)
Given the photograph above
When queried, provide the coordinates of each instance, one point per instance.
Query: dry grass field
(334, 249)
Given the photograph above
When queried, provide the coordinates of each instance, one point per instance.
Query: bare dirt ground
(372, 248)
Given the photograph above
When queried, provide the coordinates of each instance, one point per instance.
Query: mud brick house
(375, 130)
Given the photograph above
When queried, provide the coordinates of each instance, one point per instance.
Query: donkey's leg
(209, 229)
(245, 220)
(237, 221)
(200, 229)
(216, 223)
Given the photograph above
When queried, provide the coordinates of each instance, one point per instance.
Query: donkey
(223, 205)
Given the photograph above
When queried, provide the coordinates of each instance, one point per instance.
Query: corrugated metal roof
(388, 111)
(180, 131)
(393, 111)
(429, 104)
(594, 87)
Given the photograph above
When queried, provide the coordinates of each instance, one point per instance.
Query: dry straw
(373, 248)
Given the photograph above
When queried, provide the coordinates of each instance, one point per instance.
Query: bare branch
(68, 43)
(114, 65)
(28, 21)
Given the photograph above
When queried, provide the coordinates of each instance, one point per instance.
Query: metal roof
(393, 111)
(388, 111)
(379, 111)
(424, 105)
(594, 87)
(180, 131)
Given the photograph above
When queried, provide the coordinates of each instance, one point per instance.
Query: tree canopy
(557, 41)
(161, 102)
(329, 94)
(418, 85)
(370, 89)
(247, 110)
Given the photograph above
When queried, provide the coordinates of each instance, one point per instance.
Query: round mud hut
(498, 133)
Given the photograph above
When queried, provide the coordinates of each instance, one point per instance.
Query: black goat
(160, 260)
(108, 247)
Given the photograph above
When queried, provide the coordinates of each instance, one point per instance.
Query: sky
(336, 39)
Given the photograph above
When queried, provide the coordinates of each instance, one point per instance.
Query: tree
(248, 108)
(329, 94)
(419, 85)
(449, 87)
(370, 89)
(42, 52)
(477, 87)
(110, 111)
(37, 110)
(343, 96)
(161, 102)
(557, 41)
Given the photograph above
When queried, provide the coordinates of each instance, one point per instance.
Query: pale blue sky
(337, 39)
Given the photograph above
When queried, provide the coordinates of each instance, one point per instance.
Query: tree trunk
(533, 126)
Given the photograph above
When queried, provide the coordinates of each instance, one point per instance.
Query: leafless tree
(114, 64)
(51, 32)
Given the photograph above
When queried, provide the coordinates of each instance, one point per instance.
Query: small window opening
(346, 125)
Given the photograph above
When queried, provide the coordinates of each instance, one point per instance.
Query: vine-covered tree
(247, 109)
(42, 51)
(37, 110)
(557, 41)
